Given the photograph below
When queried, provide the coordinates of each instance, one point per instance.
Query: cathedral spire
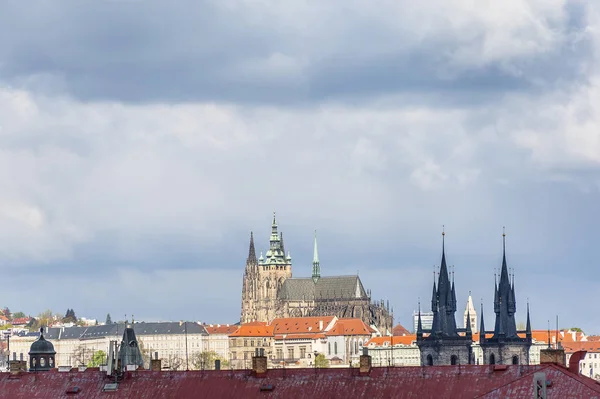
(528, 327)
(281, 240)
(481, 327)
(419, 324)
(251, 251)
(316, 271)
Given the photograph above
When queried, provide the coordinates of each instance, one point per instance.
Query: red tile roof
(253, 329)
(396, 340)
(21, 320)
(349, 327)
(301, 324)
(463, 382)
(220, 328)
(400, 330)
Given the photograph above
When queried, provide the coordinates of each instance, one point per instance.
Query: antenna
(549, 347)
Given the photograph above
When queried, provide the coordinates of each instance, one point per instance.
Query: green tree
(98, 359)
(18, 315)
(577, 329)
(206, 360)
(321, 361)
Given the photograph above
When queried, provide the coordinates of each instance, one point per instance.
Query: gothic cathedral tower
(263, 279)
(507, 345)
(442, 344)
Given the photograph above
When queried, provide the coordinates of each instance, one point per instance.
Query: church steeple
(419, 325)
(251, 251)
(482, 328)
(275, 255)
(504, 301)
(528, 327)
(443, 300)
(316, 270)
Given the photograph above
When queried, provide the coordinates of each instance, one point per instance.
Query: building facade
(269, 291)
(505, 345)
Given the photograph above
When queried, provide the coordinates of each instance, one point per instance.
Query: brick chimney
(365, 362)
(155, 364)
(552, 356)
(259, 363)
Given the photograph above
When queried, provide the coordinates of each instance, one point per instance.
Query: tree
(98, 359)
(576, 329)
(321, 361)
(108, 319)
(69, 316)
(173, 362)
(206, 360)
(18, 315)
(81, 356)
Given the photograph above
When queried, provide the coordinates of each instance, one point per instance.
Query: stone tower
(505, 346)
(442, 344)
(263, 278)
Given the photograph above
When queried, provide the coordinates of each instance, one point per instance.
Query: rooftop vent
(267, 388)
(73, 391)
(111, 387)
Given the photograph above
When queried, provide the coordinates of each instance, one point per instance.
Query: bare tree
(174, 362)
(206, 360)
(82, 356)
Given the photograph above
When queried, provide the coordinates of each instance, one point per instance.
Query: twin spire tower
(444, 343)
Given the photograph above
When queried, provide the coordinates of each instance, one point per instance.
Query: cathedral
(506, 345)
(444, 343)
(269, 291)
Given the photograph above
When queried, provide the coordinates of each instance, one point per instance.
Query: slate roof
(334, 287)
(94, 332)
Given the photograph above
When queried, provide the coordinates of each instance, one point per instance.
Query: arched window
(454, 360)
(335, 348)
(429, 360)
(515, 359)
(492, 359)
(42, 362)
(329, 348)
(355, 347)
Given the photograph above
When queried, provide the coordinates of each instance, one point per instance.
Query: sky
(142, 140)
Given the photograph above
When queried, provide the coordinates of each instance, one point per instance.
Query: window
(252, 343)
(335, 348)
(453, 360)
(42, 362)
(429, 360)
(492, 359)
(279, 353)
(245, 342)
(290, 353)
(302, 352)
(515, 360)
(355, 347)
(329, 348)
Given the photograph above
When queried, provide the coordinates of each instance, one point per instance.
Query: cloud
(144, 142)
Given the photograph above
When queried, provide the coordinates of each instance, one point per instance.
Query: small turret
(482, 328)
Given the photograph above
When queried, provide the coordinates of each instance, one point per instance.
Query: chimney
(365, 362)
(549, 355)
(320, 325)
(574, 361)
(155, 364)
(259, 363)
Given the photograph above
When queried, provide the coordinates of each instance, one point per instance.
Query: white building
(394, 351)
(426, 320)
(175, 342)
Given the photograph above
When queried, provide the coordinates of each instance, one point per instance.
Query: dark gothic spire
(469, 331)
(481, 327)
(251, 252)
(528, 327)
(419, 324)
(281, 240)
(442, 301)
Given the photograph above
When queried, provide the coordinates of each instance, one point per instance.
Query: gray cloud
(140, 144)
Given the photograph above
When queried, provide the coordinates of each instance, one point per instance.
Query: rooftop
(470, 381)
